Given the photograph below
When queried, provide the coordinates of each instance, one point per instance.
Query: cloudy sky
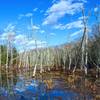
(44, 22)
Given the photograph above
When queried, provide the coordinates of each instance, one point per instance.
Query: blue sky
(48, 22)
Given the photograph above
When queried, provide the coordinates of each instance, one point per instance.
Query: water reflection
(49, 86)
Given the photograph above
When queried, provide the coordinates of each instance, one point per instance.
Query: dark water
(49, 87)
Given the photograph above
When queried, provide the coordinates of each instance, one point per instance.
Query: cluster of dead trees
(82, 54)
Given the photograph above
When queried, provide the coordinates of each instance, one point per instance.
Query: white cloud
(85, 1)
(4, 36)
(42, 31)
(75, 24)
(60, 9)
(52, 34)
(53, 1)
(41, 11)
(76, 33)
(59, 26)
(23, 43)
(33, 27)
(9, 33)
(32, 44)
(80, 32)
(96, 9)
(35, 9)
(9, 28)
(20, 16)
(25, 15)
(21, 39)
(28, 15)
(35, 42)
(81, 18)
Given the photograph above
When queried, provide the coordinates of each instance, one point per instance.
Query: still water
(48, 86)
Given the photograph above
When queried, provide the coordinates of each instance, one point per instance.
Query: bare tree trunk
(11, 62)
(34, 72)
(75, 61)
(41, 70)
(41, 59)
(84, 44)
(82, 61)
(7, 66)
(48, 57)
(0, 69)
(64, 58)
(30, 63)
(19, 65)
(64, 64)
(86, 54)
(25, 59)
(70, 61)
(27, 65)
(74, 69)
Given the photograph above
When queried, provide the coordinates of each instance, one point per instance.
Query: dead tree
(0, 68)
(84, 43)
(36, 61)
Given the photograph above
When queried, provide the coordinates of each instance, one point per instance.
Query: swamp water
(49, 86)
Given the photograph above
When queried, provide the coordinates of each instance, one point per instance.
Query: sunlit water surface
(49, 86)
